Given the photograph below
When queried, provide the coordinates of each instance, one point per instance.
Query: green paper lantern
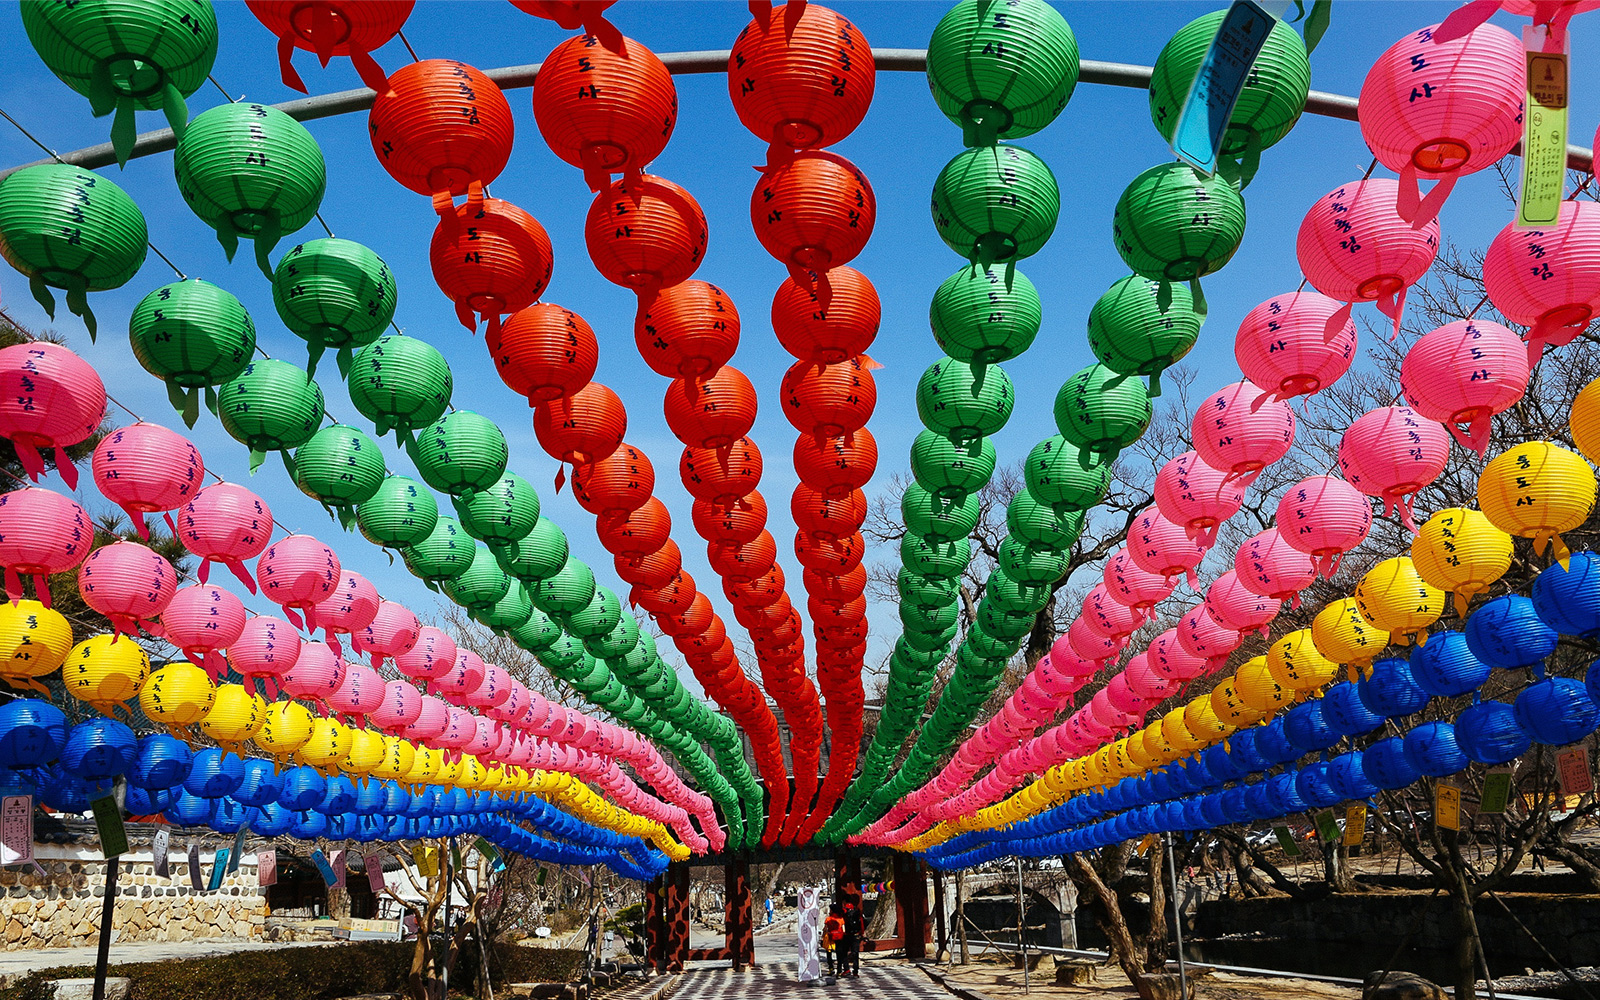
(1002, 72)
(1102, 411)
(400, 383)
(914, 661)
(949, 470)
(250, 170)
(508, 613)
(271, 406)
(537, 633)
(939, 559)
(935, 518)
(566, 592)
(978, 315)
(127, 54)
(541, 553)
(1001, 622)
(66, 227)
(1272, 100)
(1041, 526)
(924, 591)
(1028, 565)
(1173, 223)
(930, 641)
(620, 641)
(400, 513)
(339, 468)
(964, 401)
(996, 204)
(566, 653)
(1061, 476)
(445, 554)
(481, 586)
(191, 335)
(935, 619)
(598, 617)
(1131, 333)
(1015, 597)
(986, 648)
(334, 293)
(503, 513)
(460, 453)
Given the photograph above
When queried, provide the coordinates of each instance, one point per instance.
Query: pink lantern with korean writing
(1122, 697)
(1106, 616)
(1464, 373)
(147, 469)
(49, 398)
(1324, 517)
(1296, 344)
(461, 679)
(360, 693)
(128, 583)
(1145, 682)
(225, 523)
(298, 572)
(515, 703)
(1091, 647)
(1191, 493)
(1235, 607)
(1391, 453)
(265, 648)
(1129, 584)
(1169, 658)
(400, 709)
(1162, 547)
(41, 532)
(1205, 637)
(1548, 279)
(393, 630)
(432, 719)
(458, 731)
(315, 674)
(1354, 246)
(1268, 565)
(1241, 430)
(492, 690)
(1108, 715)
(432, 656)
(203, 621)
(349, 608)
(485, 737)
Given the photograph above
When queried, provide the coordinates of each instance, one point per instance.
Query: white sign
(16, 830)
(810, 968)
(160, 846)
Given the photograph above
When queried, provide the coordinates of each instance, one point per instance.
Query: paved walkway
(878, 980)
(17, 963)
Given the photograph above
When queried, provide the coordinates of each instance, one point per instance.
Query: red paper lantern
(711, 412)
(493, 260)
(836, 465)
(800, 77)
(829, 400)
(696, 619)
(721, 475)
(739, 523)
(544, 352)
(743, 560)
(688, 329)
(443, 130)
(836, 589)
(622, 481)
(645, 234)
(761, 615)
(826, 516)
(583, 427)
(839, 554)
(652, 569)
(813, 213)
(845, 613)
(844, 327)
(333, 28)
(673, 597)
(606, 109)
(759, 592)
(635, 532)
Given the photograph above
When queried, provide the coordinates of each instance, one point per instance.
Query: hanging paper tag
(219, 867)
(339, 872)
(16, 830)
(196, 882)
(1327, 826)
(160, 847)
(1355, 825)
(492, 853)
(426, 860)
(1148, 842)
(321, 861)
(267, 867)
(108, 821)
(1572, 768)
(1197, 139)
(1286, 841)
(374, 866)
(1447, 807)
(238, 848)
(1496, 792)
(1544, 129)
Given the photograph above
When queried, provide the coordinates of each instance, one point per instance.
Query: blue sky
(1100, 142)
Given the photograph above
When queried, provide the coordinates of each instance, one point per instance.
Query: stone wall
(61, 908)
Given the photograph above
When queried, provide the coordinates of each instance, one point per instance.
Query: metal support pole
(1022, 929)
(444, 963)
(103, 957)
(1177, 922)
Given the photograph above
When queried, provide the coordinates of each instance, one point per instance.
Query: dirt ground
(1001, 982)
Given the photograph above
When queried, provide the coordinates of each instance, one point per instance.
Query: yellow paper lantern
(1202, 720)
(1296, 665)
(365, 753)
(177, 696)
(1394, 597)
(449, 770)
(1258, 689)
(1057, 779)
(285, 728)
(426, 762)
(1229, 706)
(1343, 636)
(106, 673)
(471, 774)
(1138, 753)
(1461, 552)
(1586, 421)
(1537, 490)
(329, 743)
(1177, 734)
(237, 715)
(34, 642)
(399, 756)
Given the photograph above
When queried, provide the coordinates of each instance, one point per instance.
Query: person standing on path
(832, 934)
(850, 943)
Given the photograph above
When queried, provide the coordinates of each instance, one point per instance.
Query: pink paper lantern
(459, 732)
(266, 647)
(147, 469)
(461, 679)
(1442, 109)
(514, 706)
(128, 583)
(1091, 647)
(351, 606)
(1123, 698)
(431, 656)
(202, 621)
(1235, 607)
(1169, 659)
(1268, 565)
(1354, 246)
(1548, 279)
(41, 532)
(1296, 344)
(485, 737)
(1191, 493)
(314, 675)
(1161, 547)
(1086, 730)
(225, 523)
(393, 630)
(1206, 637)
(1555, 13)
(492, 690)
(1145, 682)
(1241, 430)
(49, 399)
(1464, 373)
(298, 572)
(1107, 616)
(1067, 664)
(1138, 588)
(1324, 517)
(399, 710)
(1109, 716)
(1391, 453)
(432, 720)
(359, 694)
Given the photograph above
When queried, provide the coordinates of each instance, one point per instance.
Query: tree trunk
(1156, 938)
(1115, 927)
(883, 921)
(1574, 857)
(961, 917)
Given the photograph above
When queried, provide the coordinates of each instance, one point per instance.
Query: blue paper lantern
(1390, 690)
(190, 810)
(228, 815)
(1446, 668)
(1385, 764)
(272, 820)
(1273, 744)
(303, 788)
(1556, 711)
(1508, 633)
(98, 749)
(341, 825)
(338, 800)
(1568, 598)
(369, 798)
(395, 799)
(1260, 800)
(260, 783)
(148, 801)
(1487, 732)
(1313, 786)
(1242, 749)
(1286, 793)
(214, 773)
(162, 762)
(1345, 713)
(1212, 811)
(1221, 764)
(66, 793)
(1306, 728)
(308, 825)
(1431, 749)
(32, 733)
(1346, 776)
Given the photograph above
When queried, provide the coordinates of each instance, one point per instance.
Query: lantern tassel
(123, 131)
(78, 303)
(1394, 307)
(41, 588)
(294, 619)
(240, 572)
(175, 108)
(466, 316)
(286, 70)
(1464, 20)
(1199, 296)
(370, 72)
(265, 240)
(41, 295)
(14, 591)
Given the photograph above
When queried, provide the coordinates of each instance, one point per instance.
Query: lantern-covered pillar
(740, 920)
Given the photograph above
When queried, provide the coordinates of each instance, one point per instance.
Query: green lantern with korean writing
(340, 467)
(504, 512)
(1102, 411)
(400, 513)
(1130, 332)
(333, 293)
(978, 315)
(192, 335)
(1002, 71)
(271, 406)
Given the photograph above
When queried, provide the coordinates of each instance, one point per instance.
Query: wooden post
(942, 943)
(655, 924)
(741, 942)
(911, 896)
(107, 913)
(677, 916)
(961, 918)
